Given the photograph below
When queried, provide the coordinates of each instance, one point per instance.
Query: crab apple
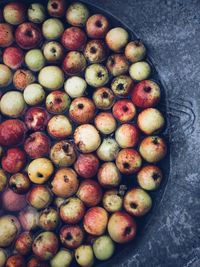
(150, 121)
(16, 261)
(5, 75)
(63, 154)
(14, 160)
(97, 26)
(149, 177)
(146, 94)
(127, 135)
(95, 221)
(6, 35)
(82, 110)
(105, 123)
(36, 118)
(108, 149)
(117, 39)
(45, 245)
(103, 247)
(87, 138)
(109, 175)
(34, 94)
(49, 219)
(112, 200)
(90, 192)
(3, 180)
(53, 51)
(153, 149)
(12, 132)
(35, 262)
(3, 257)
(39, 197)
(87, 165)
(137, 202)
(140, 71)
(14, 13)
(65, 183)
(75, 86)
(122, 85)
(37, 145)
(74, 63)
(22, 78)
(103, 98)
(59, 126)
(84, 256)
(117, 64)
(28, 35)
(13, 57)
(77, 14)
(35, 59)
(63, 258)
(57, 102)
(71, 236)
(74, 38)
(40, 170)
(12, 201)
(96, 75)
(128, 161)
(135, 51)
(95, 51)
(124, 110)
(72, 210)
(19, 183)
(51, 77)
(23, 243)
(29, 219)
(121, 227)
(36, 13)
(56, 8)
(52, 29)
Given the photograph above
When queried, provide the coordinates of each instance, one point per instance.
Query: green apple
(35, 59)
(34, 94)
(51, 77)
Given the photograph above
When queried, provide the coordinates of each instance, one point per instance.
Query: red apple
(127, 135)
(22, 78)
(35, 262)
(39, 197)
(56, 8)
(74, 38)
(23, 243)
(14, 160)
(124, 110)
(14, 13)
(97, 26)
(15, 261)
(71, 236)
(13, 57)
(12, 201)
(74, 63)
(86, 165)
(6, 35)
(36, 118)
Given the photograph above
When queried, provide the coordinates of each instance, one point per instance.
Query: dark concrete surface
(171, 30)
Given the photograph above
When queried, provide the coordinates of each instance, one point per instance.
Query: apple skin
(122, 227)
(112, 200)
(95, 51)
(49, 219)
(108, 149)
(77, 14)
(122, 85)
(105, 122)
(12, 132)
(87, 165)
(23, 243)
(63, 258)
(13, 57)
(22, 78)
(117, 38)
(109, 175)
(75, 86)
(19, 183)
(36, 13)
(28, 35)
(124, 110)
(146, 94)
(74, 38)
(57, 102)
(34, 94)
(51, 77)
(52, 29)
(59, 127)
(84, 256)
(35, 262)
(103, 98)
(71, 236)
(137, 202)
(128, 161)
(16, 261)
(6, 35)
(90, 193)
(82, 110)
(29, 219)
(153, 149)
(74, 63)
(56, 8)
(140, 71)
(37, 145)
(149, 177)
(97, 26)
(117, 64)
(95, 221)
(127, 135)
(13, 202)
(39, 197)
(65, 183)
(35, 59)
(14, 160)
(5, 75)
(135, 51)
(96, 75)
(3, 180)
(36, 118)
(15, 13)
(53, 51)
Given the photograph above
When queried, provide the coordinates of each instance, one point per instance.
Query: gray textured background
(171, 30)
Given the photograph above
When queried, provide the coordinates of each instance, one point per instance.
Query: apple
(57, 102)
(140, 71)
(63, 258)
(59, 127)
(12, 202)
(137, 202)
(127, 135)
(56, 8)
(34, 94)
(117, 39)
(51, 77)
(3, 257)
(77, 14)
(97, 26)
(5, 75)
(36, 118)
(3, 180)
(74, 63)
(122, 85)
(82, 110)
(23, 243)
(53, 51)
(103, 247)
(75, 86)
(6, 35)
(71, 236)
(49, 219)
(35, 60)
(135, 51)
(149, 177)
(63, 154)
(35, 262)
(109, 175)
(14, 13)
(86, 165)
(38, 197)
(14, 160)
(146, 94)
(153, 149)
(112, 200)
(124, 110)
(108, 149)
(19, 183)
(22, 78)
(103, 98)
(16, 261)
(28, 35)
(74, 38)
(36, 13)
(96, 75)
(128, 161)
(29, 219)
(105, 122)
(117, 64)
(95, 51)
(122, 227)
(13, 57)
(84, 256)
(52, 29)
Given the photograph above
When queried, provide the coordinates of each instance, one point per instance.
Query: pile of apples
(79, 120)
